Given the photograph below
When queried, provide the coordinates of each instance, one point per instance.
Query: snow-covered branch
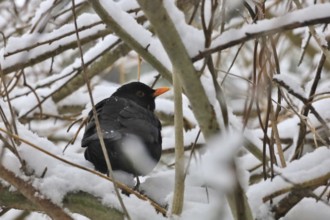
(312, 15)
(31, 193)
(134, 35)
(78, 202)
(30, 49)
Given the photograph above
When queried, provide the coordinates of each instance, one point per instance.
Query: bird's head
(140, 93)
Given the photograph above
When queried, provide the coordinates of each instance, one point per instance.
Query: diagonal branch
(51, 53)
(130, 40)
(32, 194)
(77, 202)
(181, 62)
(108, 59)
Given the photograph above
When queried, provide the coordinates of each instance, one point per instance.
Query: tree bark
(78, 202)
(33, 195)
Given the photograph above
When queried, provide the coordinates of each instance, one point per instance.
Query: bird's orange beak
(160, 91)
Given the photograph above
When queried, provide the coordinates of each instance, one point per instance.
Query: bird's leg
(136, 187)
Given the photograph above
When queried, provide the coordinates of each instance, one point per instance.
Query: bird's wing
(139, 121)
(118, 116)
(108, 112)
(90, 127)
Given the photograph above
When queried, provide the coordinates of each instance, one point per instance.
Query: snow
(135, 151)
(191, 37)
(217, 159)
(138, 32)
(166, 106)
(61, 178)
(44, 13)
(127, 5)
(303, 210)
(23, 106)
(17, 43)
(39, 43)
(43, 8)
(299, 16)
(290, 84)
(206, 80)
(312, 165)
(189, 137)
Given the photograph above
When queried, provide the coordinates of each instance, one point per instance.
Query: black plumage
(130, 129)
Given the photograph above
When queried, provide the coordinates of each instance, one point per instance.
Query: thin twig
(95, 115)
(316, 36)
(192, 151)
(277, 137)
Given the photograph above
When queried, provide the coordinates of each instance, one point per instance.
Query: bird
(130, 129)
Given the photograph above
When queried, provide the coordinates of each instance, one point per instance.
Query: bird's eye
(140, 93)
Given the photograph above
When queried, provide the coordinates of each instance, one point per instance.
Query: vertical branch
(10, 126)
(222, 28)
(267, 121)
(307, 108)
(249, 103)
(219, 92)
(207, 30)
(277, 136)
(178, 197)
(6, 94)
(238, 202)
(274, 114)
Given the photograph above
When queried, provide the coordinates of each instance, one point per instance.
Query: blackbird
(130, 130)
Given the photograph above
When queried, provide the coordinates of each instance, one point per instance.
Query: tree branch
(252, 31)
(78, 202)
(178, 195)
(130, 40)
(108, 59)
(51, 53)
(33, 195)
(168, 35)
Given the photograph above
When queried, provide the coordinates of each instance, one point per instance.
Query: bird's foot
(136, 187)
(126, 193)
